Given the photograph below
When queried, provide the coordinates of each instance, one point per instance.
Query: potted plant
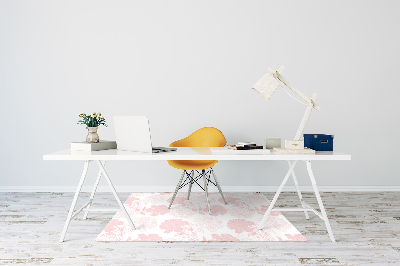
(92, 123)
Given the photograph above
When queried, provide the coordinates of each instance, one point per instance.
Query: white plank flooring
(366, 226)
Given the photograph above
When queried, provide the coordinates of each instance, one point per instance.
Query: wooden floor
(365, 224)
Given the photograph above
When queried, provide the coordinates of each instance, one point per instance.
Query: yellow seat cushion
(204, 137)
(191, 164)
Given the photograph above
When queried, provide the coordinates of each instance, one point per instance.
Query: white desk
(194, 154)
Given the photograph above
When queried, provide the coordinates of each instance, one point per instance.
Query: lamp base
(294, 144)
(293, 151)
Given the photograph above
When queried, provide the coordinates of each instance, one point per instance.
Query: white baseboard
(195, 189)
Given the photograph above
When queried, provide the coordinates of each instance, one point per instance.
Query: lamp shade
(266, 86)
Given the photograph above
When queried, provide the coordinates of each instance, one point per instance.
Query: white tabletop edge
(202, 153)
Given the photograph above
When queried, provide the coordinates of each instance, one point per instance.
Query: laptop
(133, 134)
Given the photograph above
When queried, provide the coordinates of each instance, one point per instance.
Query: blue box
(318, 142)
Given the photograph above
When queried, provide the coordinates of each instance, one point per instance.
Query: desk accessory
(243, 144)
(98, 146)
(271, 143)
(266, 86)
(248, 147)
(92, 123)
(227, 151)
(319, 142)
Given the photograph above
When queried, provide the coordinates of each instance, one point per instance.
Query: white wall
(190, 64)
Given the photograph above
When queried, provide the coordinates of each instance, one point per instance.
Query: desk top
(186, 153)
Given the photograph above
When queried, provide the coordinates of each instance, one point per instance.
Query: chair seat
(204, 137)
(192, 164)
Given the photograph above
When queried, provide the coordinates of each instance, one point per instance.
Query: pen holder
(271, 143)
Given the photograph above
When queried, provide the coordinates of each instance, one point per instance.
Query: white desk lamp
(266, 86)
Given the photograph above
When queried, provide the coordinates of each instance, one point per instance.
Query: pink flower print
(179, 200)
(155, 198)
(256, 198)
(218, 210)
(134, 206)
(150, 237)
(115, 229)
(208, 223)
(114, 223)
(191, 204)
(241, 225)
(296, 237)
(129, 202)
(224, 237)
(244, 212)
(261, 209)
(231, 200)
(189, 234)
(262, 235)
(183, 212)
(275, 213)
(119, 215)
(144, 223)
(174, 225)
(188, 220)
(277, 222)
(156, 210)
(200, 210)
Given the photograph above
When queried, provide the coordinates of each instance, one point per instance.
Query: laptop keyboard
(162, 149)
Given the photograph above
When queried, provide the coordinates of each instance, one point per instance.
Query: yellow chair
(204, 137)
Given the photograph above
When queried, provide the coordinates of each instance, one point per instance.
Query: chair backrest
(204, 137)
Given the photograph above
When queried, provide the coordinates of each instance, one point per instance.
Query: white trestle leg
(71, 209)
(93, 192)
(321, 205)
(305, 206)
(128, 218)
(86, 206)
(260, 226)
(299, 192)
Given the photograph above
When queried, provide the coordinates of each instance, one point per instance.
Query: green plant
(93, 120)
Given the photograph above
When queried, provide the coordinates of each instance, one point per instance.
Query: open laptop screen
(133, 133)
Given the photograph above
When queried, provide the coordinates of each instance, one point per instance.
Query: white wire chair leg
(299, 192)
(93, 192)
(190, 184)
(321, 205)
(218, 186)
(177, 188)
(128, 218)
(71, 209)
(206, 191)
(260, 226)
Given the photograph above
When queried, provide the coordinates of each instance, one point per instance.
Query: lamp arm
(293, 88)
(305, 117)
(311, 102)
